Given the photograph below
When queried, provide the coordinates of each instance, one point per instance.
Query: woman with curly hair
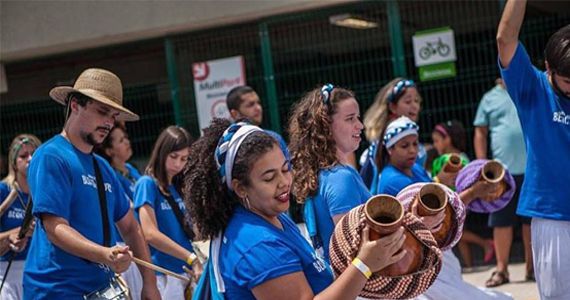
(15, 197)
(239, 182)
(161, 209)
(324, 130)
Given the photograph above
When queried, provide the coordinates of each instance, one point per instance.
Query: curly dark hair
(312, 145)
(210, 203)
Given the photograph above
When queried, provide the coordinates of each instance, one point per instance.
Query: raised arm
(509, 29)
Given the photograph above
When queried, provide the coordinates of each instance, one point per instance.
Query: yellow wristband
(362, 267)
(191, 258)
(436, 179)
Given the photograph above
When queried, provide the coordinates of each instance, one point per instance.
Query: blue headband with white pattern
(326, 92)
(398, 129)
(399, 89)
(228, 146)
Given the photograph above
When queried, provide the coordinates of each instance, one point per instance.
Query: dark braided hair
(210, 203)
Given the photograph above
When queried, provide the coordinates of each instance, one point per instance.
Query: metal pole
(396, 40)
(173, 80)
(269, 78)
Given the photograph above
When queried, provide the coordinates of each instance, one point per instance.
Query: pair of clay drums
(385, 214)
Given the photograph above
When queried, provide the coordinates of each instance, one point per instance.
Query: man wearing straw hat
(77, 199)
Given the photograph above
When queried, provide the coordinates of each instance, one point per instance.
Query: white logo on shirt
(16, 213)
(165, 206)
(561, 117)
(92, 181)
(318, 263)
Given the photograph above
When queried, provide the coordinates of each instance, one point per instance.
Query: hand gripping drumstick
(154, 267)
(159, 269)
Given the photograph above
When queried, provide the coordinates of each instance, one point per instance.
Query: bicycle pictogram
(433, 48)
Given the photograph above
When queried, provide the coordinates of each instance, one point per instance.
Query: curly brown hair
(209, 201)
(312, 145)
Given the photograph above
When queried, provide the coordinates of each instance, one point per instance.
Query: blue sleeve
(482, 117)
(50, 185)
(520, 76)
(146, 192)
(339, 193)
(122, 203)
(392, 185)
(265, 261)
(4, 191)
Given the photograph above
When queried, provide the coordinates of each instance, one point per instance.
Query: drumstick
(159, 269)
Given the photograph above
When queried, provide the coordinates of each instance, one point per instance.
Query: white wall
(32, 29)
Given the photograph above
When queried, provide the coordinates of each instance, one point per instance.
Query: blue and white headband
(326, 92)
(398, 129)
(228, 146)
(399, 89)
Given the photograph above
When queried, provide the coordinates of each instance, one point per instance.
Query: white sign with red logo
(213, 80)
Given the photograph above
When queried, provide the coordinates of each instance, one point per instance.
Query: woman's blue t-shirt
(147, 192)
(254, 251)
(392, 180)
(13, 218)
(340, 189)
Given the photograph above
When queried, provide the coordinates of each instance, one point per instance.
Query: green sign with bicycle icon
(434, 53)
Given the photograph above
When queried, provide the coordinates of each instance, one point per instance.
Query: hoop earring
(246, 202)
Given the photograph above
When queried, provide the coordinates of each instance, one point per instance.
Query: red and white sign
(213, 80)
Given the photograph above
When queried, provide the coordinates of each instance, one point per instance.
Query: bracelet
(436, 179)
(362, 267)
(191, 258)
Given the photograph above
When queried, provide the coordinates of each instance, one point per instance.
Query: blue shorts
(507, 216)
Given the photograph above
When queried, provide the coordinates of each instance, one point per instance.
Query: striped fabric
(470, 174)
(345, 243)
(406, 197)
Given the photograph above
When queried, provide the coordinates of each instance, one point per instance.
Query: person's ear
(392, 107)
(547, 67)
(235, 114)
(239, 188)
(108, 152)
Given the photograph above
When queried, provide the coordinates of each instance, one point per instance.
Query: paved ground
(518, 288)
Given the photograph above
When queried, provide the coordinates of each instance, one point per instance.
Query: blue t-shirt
(128, 182)
(147, 192)
(253, 251)
(392, 180)
(13, 218)
(545, 120)
(340, 190)
(62, 183)
(497, 112)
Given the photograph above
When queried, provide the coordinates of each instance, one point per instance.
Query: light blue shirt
(498, 112)
(254, 251)
(63, 183)
(545, 120)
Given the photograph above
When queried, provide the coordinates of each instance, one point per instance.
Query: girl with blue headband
(15, 197)
(400, 149)
(237, 187)
(324, 130)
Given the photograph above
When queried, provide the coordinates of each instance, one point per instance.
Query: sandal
(530, 277)
(497, 278)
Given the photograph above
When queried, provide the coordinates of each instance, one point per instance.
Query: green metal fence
(288, 55)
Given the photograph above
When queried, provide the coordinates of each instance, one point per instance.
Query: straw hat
(100, 85)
